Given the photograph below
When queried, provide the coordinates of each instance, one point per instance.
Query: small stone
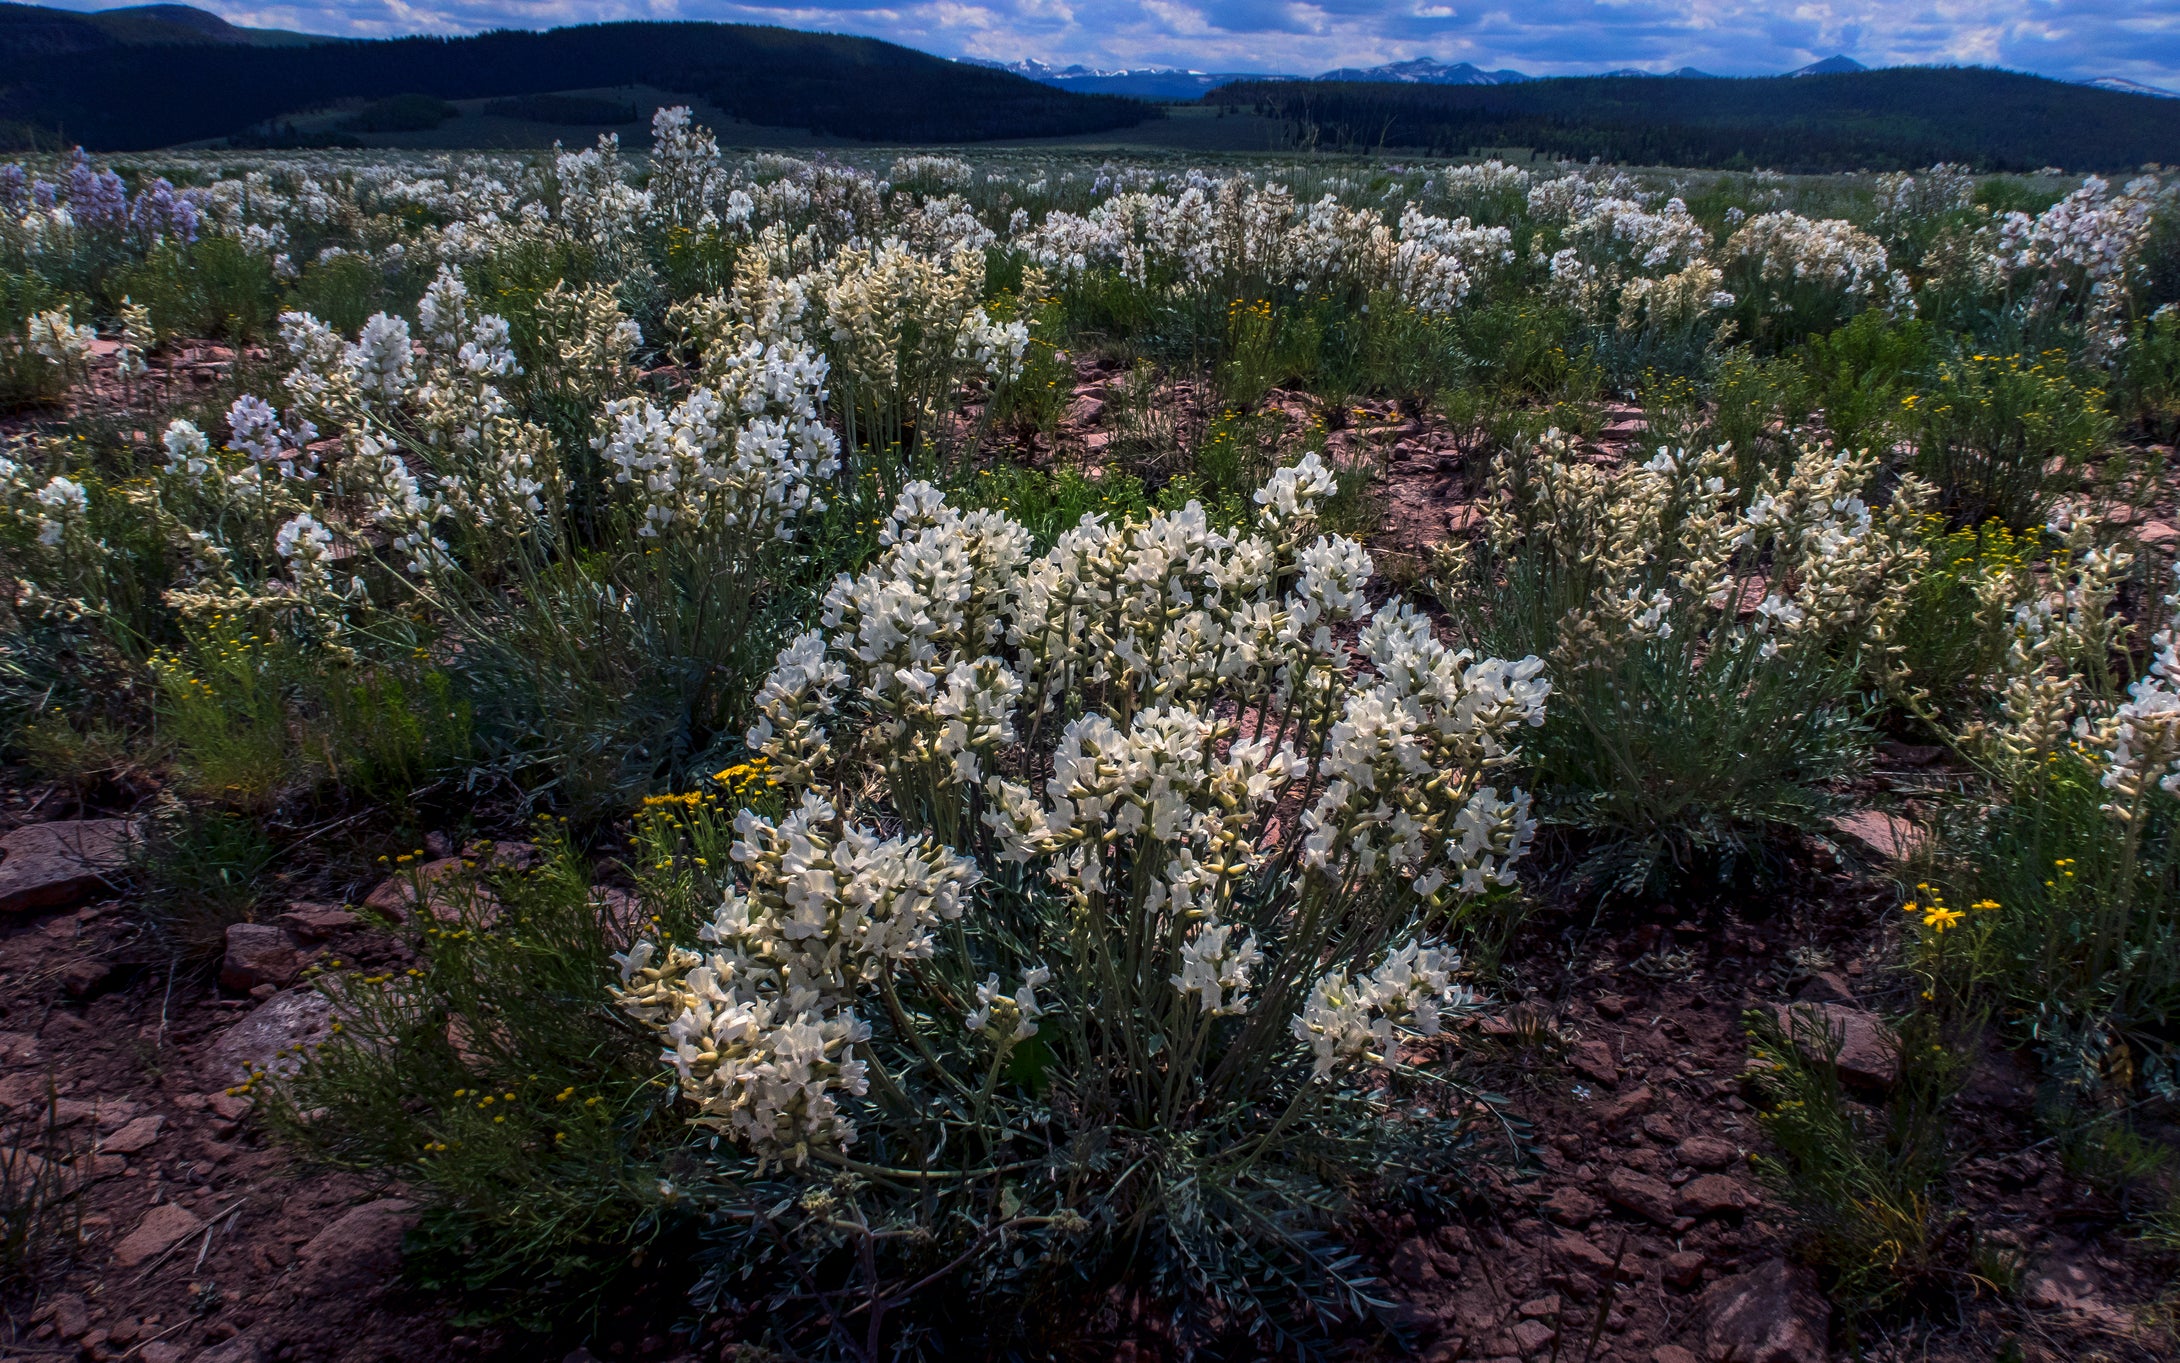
(1594, 1059)
(1827, 987)
(1672, 1353)
(1413, 1263)
(229, 1107)
(1647, 1197)
(2156, 533)
(1683, 1268)
(316, 922)
(1570, 1206)
(1659, 1127)
(269, 1038)
(355, 1253)
(86, 977)
(1863, 1047)
(1540, 1308)
(451, 885)
(60, 865)
(1888, 835)
(2061, 1285)
(137, 1136)
(1531, 1336)
(1712, 1194)
(1706, 1152)
(1577, 1252)
(163, 1351)
(259, 953)
(162, 1227)
(1611, 1007)
(71, 1315)
(1773, 1313)
(1627, 1107)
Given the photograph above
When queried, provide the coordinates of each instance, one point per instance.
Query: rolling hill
(1896, 118)
(125, 94)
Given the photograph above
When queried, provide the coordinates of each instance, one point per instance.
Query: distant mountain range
(1177, 83)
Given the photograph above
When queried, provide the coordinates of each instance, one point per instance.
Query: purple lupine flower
(159, 213)
(14, 188)
(45, 194)
(97, 200)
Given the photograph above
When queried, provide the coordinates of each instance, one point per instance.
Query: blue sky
(2137, 39)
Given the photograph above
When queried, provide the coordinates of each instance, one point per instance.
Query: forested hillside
(1879, 120)
(133, 97)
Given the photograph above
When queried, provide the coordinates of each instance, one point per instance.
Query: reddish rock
(259, 953)
(1647, 1197)
(316, 922)
(1530, 1336)
(1828, 987)
(450, 886)
(1659, 1127)
(1771, 1314)
(139, 1135)
(1888, 835)
(1627, 1107)
(1413, 1263)
(1611, 1007)
(1672, 1353)
(1706, 1152)
(1714, 1194)
(1683, 1268)
(229, 1107)
(269, 1037)
(86, 977)
(1577, 1252)
(1570, 1206)
(1594, 1059)
(356, 1253)
(71, 1315)
(59, 865)
(1859, 1042)
(161, 1228)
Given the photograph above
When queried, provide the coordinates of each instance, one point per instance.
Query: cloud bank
(2136, 39)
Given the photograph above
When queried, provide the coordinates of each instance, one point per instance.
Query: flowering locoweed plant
(1707, 637)
(1103, 882)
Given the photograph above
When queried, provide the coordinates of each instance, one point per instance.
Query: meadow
(1200, 756)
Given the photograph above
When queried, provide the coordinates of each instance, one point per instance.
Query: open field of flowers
(715, 756)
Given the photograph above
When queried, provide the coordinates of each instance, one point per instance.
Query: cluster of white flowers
(1349, 1022)
(761, 1023)
(1671, 548)
(747, 454)
(1231, 233)
(1784, 248)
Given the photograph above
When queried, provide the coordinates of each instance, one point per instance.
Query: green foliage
(341, 290)
(1048, 503)
(223, 709)
(1951, 639)
(2001, 435)
(215, 287)
(2073, 922)
(2146, 390)
(41, 1203)
(1861, 372)
(1868, 1181)
(202, 871)
(493, 1077)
